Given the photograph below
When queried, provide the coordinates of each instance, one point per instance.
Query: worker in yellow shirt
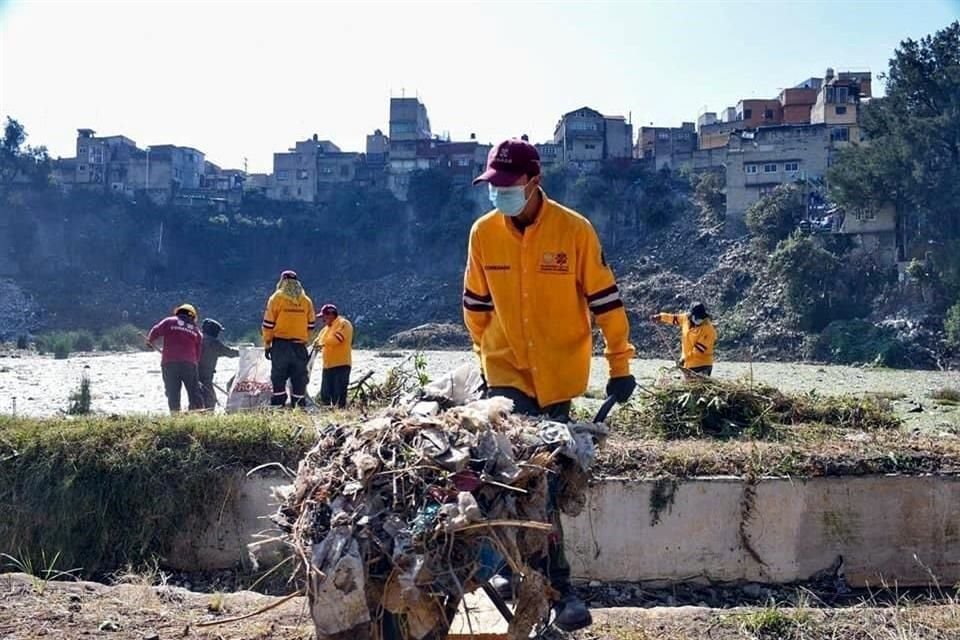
(535, 276)
(287, 323)
(697, 337)
(336, 342)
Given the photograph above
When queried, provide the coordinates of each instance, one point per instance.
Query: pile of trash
(396, 518)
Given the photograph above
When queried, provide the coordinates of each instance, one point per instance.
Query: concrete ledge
(889, 529)
(892, 530)
(220, 541)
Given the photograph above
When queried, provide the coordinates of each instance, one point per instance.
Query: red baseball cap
(508, 162)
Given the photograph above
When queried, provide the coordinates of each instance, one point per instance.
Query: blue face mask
(509, 201)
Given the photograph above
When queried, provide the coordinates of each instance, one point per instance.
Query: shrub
(122, 338)
(82, 340)
(775, 216)
(59, 343)
(80, 400)
(859, 342)
(952, 325)
(809, 274)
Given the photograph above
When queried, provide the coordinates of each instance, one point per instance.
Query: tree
(809, 273)
(20, 162)
(774, 217)
(912, 157)
(708, 194)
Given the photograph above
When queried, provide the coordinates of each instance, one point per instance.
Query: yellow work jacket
(696, 341)
(337, 343)
(528, 298)
(288, 319)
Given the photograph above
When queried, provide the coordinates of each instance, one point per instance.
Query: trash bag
(251, 388)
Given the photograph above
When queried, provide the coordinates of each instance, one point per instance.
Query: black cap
(698, 311)
(211, 327)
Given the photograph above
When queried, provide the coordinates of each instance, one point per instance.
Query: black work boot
(572, 613)
(503, 586)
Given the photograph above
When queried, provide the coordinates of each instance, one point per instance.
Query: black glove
(266, 353)
(621, 388)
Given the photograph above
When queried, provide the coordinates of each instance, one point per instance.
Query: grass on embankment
(105, 493)
(109, 492)
(709, 428)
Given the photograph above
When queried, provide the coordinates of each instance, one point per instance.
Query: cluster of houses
(758, 144)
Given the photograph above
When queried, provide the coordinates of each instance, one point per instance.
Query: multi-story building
(759, 160)
(795, 104)
(755, 113)
(308, 171)
(412, 146)
(103, 161)
(667, 147)
(586, 136)
(838, 104)
(551, 153)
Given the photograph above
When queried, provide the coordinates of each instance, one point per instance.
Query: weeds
(724, 410)
(408, 376)
(62, 343)
(41, 572)
(772, 623)
(111, 492)
(81, 399)
(946, 395)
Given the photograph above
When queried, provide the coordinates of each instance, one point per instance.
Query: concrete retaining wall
(888, 529)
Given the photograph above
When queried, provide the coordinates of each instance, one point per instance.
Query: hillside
(85, 261)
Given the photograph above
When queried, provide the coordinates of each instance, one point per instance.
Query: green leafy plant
(40, 570)
(81, 399)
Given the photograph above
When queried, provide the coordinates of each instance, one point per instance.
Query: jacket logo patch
(555, 262)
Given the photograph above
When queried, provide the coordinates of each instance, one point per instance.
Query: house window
(750, 168)
(302, 174)
(842, 93)
(831, 95)
(768, 114)
(791, 167)
(663, 135)
(83, 167)
(344, 171)
(766, 190)
(841, 134)
(589, 146)
(841, 110)
(769, 168)
(299, 191)
(747, 114)
(283, 175)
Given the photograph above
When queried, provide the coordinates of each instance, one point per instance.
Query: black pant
(705, 370)
(527, 406)
(333, 386)
(288, 360)
(555, 565)
(209, 393)
(181, 373)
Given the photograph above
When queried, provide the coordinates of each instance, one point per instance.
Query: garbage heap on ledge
(395, 518)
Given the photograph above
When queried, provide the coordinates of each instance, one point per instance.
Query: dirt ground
(30, 608)
(130, 382)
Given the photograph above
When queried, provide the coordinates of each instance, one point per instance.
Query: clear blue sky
(245, 79)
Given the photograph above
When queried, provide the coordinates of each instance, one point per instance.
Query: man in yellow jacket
(535, 275)
(336, 342)
(287, 322)
(697, 337)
